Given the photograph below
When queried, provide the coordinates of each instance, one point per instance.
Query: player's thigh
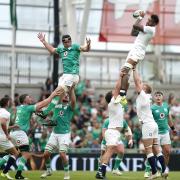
(120, 148)
(166, 149)
(19, 138)
(165, 139)
(52, 143)
(13, 151)
(63, 142)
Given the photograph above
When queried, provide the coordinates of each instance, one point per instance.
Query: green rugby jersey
(63, 115)
(161, 116)
(105, 126)
(70, 58)
(23, 116)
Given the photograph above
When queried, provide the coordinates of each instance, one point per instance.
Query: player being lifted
(160, 111)
(60, 136)
(137, 53)
(69, 53)
(149, 126)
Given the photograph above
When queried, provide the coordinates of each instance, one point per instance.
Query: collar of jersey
(69, 48)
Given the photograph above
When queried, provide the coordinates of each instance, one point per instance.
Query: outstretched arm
(118, 85)
(50, 48)
(45, 102)
(87, 46)
(137, 81)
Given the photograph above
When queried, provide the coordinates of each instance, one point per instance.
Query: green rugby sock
(21, 163)
(66, 167)
(48, 161)
(4, 160)
(118, 161)
(147, 166)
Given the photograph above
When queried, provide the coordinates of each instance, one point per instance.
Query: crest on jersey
(61, 113)
(162, 115)
(65, 53)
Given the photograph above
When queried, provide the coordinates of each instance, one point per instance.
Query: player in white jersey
(149, 126)
(112, 134)
(5, 140)
(144, 35)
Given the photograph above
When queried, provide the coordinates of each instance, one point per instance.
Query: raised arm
(50, 48)
(137, 81)
(118, 85)
(45, 102)
(87, 46)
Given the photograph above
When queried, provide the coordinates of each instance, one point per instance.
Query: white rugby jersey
(4, 114)
(116, 114)
(143, 106)
(143, 38)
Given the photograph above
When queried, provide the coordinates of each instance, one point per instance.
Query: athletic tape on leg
(128, 65)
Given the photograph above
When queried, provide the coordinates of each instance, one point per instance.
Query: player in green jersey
(160, 111)
(22, 125)
(60, 136)
(69, 54)
(120, 147)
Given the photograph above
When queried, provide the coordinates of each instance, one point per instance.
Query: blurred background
(27, 67)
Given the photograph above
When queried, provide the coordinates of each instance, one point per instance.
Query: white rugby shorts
(68, 80)
(58, 141)
(5, 144)
(19, 138)
(112, 137)
(136, 54)
(149, 130)
(164, 139)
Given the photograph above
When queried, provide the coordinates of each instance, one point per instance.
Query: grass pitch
(86, 175)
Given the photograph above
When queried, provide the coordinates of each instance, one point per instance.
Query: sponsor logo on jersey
(162, 115)
(61, 113)
(65, 53)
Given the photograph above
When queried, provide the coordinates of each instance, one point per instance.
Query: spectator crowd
(89, 115)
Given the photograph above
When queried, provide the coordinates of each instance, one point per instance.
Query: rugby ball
(137, 13)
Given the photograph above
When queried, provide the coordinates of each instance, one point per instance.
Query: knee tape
(128, 65)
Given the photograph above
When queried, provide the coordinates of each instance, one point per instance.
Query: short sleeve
(58, 49)
(31, 108)
(76, 47)
(125, 125)
(149, 29)
(105, 124)
(5, 115)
